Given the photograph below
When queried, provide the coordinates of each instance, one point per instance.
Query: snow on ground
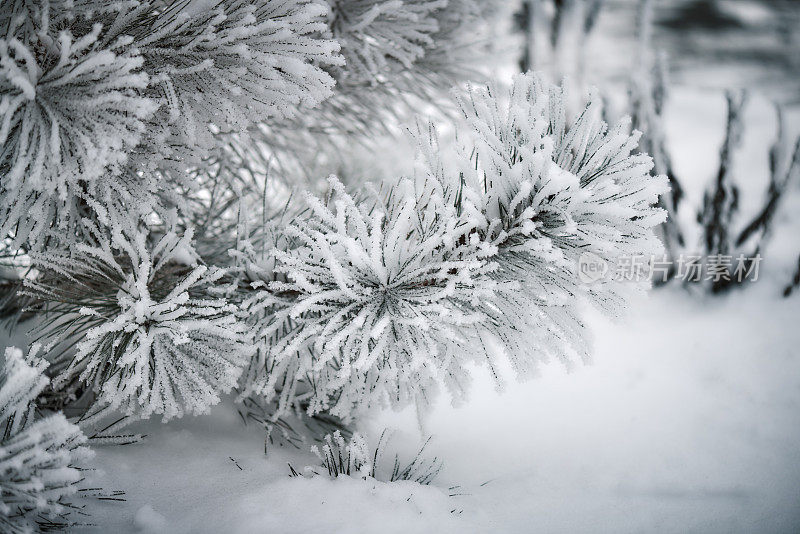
(686, 422)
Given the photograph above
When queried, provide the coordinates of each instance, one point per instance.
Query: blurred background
(721, 44)
(709, 44)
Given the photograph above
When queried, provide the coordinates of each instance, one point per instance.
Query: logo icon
(591, 268)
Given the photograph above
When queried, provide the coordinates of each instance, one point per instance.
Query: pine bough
(379, 300)
(37, 455)
(99, 100)
(150, 334)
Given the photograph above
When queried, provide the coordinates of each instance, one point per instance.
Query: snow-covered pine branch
(71, 107)
(233, 63)
(150, 334)
(398, 54)
(112, 102)
(374, 302)
(380, 38)
(97, 96)
(407, 45)
(37, 456)
(550, 189)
